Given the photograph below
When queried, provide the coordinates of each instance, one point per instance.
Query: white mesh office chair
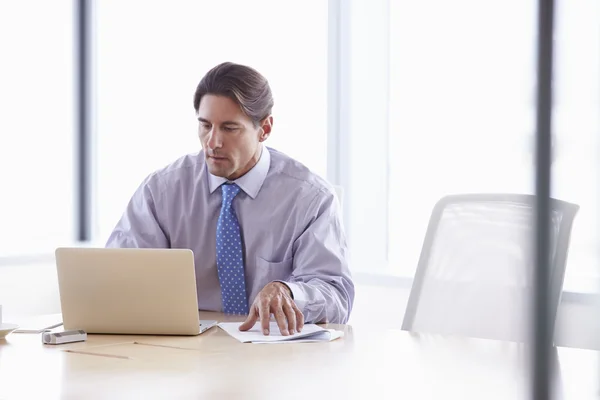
(474, 276)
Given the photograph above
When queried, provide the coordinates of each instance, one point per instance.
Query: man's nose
(214, 139)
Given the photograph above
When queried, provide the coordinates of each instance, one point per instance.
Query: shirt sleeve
(140, 225)
(321, 282)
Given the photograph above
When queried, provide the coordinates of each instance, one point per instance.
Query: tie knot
(229, 192)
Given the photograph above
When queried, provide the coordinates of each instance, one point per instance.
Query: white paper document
(310, 333)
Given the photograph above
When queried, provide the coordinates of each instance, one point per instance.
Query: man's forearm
(324, 302)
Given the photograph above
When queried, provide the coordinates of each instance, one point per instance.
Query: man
(265, 231)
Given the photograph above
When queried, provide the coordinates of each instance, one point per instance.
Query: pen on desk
(164, 345)
(89, 353)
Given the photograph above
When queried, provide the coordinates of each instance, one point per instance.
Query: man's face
(230, 140)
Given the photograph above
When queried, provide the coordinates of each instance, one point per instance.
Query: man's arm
(140, 225)
(321, 283)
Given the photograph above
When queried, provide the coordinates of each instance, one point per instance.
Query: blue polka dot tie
(230, 260)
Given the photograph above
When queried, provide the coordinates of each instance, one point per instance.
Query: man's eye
(206, 126)
(229, 129)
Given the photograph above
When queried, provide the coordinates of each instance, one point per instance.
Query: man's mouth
(217, 158)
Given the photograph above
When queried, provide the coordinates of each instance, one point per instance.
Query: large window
(407, 100)
(462, 114)
(36, 129)
(150, 57)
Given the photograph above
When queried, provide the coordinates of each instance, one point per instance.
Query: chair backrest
(476, 268)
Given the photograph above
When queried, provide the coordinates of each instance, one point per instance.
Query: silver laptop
(129, 291)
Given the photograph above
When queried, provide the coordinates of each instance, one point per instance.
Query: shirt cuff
(297, 294)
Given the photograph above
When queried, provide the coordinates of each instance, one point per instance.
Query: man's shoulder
(288, 170)
(187, 166)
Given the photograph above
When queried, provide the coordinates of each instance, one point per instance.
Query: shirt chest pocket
(273, 271)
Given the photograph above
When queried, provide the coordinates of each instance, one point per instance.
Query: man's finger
(250, 321)
(290, 314)
(299, 317)
(281, 319)
(265, 316)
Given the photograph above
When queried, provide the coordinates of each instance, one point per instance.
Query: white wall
(33, 289)
(578, 325)
(28, 290)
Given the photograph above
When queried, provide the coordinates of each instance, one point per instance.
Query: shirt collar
(251, 181)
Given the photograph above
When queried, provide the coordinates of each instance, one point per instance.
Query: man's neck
(251, 164)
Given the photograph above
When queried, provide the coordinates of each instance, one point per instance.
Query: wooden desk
(365, 364)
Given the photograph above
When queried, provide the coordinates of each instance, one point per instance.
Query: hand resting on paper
(275, 298)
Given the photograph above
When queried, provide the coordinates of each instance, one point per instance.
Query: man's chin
(220, 172)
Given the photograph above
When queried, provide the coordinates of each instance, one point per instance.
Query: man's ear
(266, 127)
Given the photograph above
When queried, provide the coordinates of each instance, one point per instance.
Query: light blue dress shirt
(289, 218)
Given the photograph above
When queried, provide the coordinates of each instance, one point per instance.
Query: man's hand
(276, 299)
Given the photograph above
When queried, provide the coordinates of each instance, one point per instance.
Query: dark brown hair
(240, 83)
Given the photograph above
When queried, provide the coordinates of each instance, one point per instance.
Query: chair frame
(569, 211)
